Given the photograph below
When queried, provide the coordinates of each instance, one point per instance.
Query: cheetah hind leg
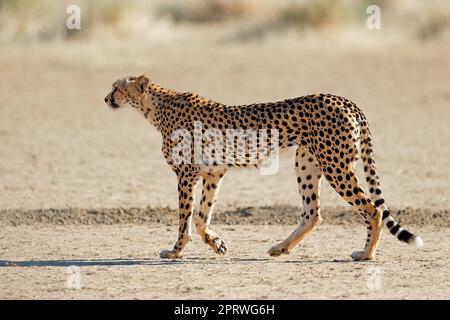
(356, 197)
(309, 179)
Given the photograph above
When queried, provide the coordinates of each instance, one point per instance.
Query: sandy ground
(60, 146)
(65, 157)
(121, 261)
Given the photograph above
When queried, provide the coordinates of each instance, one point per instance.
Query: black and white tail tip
(400, 233)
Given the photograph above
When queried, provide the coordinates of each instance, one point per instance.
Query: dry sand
(122, 262)
(62, 149)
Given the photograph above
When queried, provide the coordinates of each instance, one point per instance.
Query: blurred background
(61, 147)
(223, 20)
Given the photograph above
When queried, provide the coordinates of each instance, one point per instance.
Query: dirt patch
(268, 215)
(122, 261)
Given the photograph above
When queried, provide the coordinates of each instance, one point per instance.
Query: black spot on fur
(379, 202)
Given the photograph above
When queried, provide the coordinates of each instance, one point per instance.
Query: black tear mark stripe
(113, 103)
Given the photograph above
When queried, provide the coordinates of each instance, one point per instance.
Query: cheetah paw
(169, 254)
(277, 250)
(360, 255)
(218, 246)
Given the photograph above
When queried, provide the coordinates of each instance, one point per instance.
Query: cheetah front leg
(211, 183)
(187, 179)
(309, 179)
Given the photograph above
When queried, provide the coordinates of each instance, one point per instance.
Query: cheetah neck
(152, 103)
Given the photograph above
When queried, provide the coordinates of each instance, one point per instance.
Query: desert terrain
(121, 261)
(83, 186)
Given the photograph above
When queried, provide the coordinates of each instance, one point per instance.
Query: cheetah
(329, 133)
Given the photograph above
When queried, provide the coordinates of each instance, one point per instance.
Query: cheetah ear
(142, 83)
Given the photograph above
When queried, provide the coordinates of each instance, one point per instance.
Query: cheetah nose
(106, 99)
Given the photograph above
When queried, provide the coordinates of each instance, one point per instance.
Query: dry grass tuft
(314, 14)
(197, 11)
(434, 27)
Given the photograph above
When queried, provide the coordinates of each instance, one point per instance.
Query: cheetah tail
(373, 182)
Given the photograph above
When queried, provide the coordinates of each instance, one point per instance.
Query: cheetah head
(127, 91)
